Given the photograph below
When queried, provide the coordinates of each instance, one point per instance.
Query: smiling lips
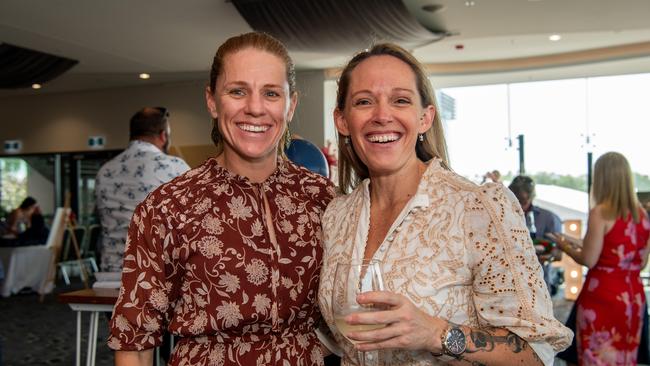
(383, 137)
(253, 128)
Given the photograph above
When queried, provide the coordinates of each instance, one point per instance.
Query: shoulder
(344, 205)
(182, 186)
(312, 184)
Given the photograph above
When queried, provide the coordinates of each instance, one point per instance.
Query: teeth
(252, 128)
(383, 138)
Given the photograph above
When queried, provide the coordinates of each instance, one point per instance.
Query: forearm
(496, 346)
(134, 358)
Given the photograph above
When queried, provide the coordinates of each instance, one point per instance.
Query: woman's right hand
(564, 242)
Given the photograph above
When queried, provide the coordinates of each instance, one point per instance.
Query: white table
(95, 301)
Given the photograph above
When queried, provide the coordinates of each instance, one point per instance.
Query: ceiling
(175, 40)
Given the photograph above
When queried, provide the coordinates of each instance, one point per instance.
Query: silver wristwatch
(454, 344)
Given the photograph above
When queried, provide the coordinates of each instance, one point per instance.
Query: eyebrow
(392, 90)
(242, 83)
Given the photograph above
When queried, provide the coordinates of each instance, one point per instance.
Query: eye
(272, 94)
(403, 100)
(237, 92)
(362, 101)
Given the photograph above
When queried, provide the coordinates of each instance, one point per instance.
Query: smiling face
(383, 115)
(253, 105)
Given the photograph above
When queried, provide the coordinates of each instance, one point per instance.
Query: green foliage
(13, 183)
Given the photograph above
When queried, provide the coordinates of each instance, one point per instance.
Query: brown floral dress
(200, 262)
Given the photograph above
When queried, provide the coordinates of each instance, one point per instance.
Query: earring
(421, 137)
(346, 140)
(287, 138)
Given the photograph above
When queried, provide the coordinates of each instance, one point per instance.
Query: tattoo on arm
(484, 340)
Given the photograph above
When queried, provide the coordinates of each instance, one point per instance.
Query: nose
(383, 113)
(255, 105)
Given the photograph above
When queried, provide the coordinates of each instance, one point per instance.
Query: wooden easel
(57, 247)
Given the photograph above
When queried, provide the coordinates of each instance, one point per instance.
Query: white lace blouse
(458, 251)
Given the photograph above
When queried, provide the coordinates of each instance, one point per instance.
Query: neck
(152, 140)
(396, 189)
(257, 171)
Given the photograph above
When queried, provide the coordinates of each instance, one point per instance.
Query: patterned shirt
(458, 251)
(121, 184)
(200, 262)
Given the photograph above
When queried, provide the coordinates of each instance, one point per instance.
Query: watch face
(455, 342)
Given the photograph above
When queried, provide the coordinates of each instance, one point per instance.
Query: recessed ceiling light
(36, 86)
(433, 8)
(144, 76)
(554, 37)
(470, 3)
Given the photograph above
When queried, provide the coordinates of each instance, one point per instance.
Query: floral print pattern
(200, 262)
(610, 306)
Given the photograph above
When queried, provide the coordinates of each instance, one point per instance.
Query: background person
(227, 256)
(615, 248)
(20, 218)
(462, 279)
(124, 181)
(540, 222)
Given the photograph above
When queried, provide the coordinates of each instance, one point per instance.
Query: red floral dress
(199, 261)
(609, 315)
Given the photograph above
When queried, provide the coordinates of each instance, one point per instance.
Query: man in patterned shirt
(123, 182)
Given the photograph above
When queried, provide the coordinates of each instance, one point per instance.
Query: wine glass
(350, 279)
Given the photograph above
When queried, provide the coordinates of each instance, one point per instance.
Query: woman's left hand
(407, 327)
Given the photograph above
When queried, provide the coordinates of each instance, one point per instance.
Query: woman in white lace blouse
(463, 282)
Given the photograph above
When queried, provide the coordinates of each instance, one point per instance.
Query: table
(94, 301)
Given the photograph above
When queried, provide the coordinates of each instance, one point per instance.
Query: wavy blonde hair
(614, 187)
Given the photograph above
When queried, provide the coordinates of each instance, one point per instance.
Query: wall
(308, 119)
(63, 122)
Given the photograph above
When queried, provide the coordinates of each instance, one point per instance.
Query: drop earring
(421, 137)
(346, 140)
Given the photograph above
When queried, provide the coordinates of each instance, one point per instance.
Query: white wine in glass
(350, 279)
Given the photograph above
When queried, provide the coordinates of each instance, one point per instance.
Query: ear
(426, 121)
(293, 102)
(210, 103)
(341, 123)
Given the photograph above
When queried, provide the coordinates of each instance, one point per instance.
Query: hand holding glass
(351, 279)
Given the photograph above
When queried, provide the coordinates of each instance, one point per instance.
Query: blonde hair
(351, 169)
(259, 41)
(614, 187)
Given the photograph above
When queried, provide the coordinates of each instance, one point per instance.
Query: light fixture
(433, 8)
(573, 227)
(574, 274)
(144, 76)
(554, 37)
(470, 3)
(574, 290)
(36, 86)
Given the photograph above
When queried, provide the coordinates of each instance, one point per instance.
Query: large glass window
(13, 183)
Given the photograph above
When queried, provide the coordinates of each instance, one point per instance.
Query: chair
(94, 234)
(84, 264)
(31, 266)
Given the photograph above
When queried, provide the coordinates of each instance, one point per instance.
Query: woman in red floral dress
(615, 248)
(227, 257)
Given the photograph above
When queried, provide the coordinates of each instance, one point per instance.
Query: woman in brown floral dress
(227, 256)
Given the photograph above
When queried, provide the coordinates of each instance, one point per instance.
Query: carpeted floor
(34, 333)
